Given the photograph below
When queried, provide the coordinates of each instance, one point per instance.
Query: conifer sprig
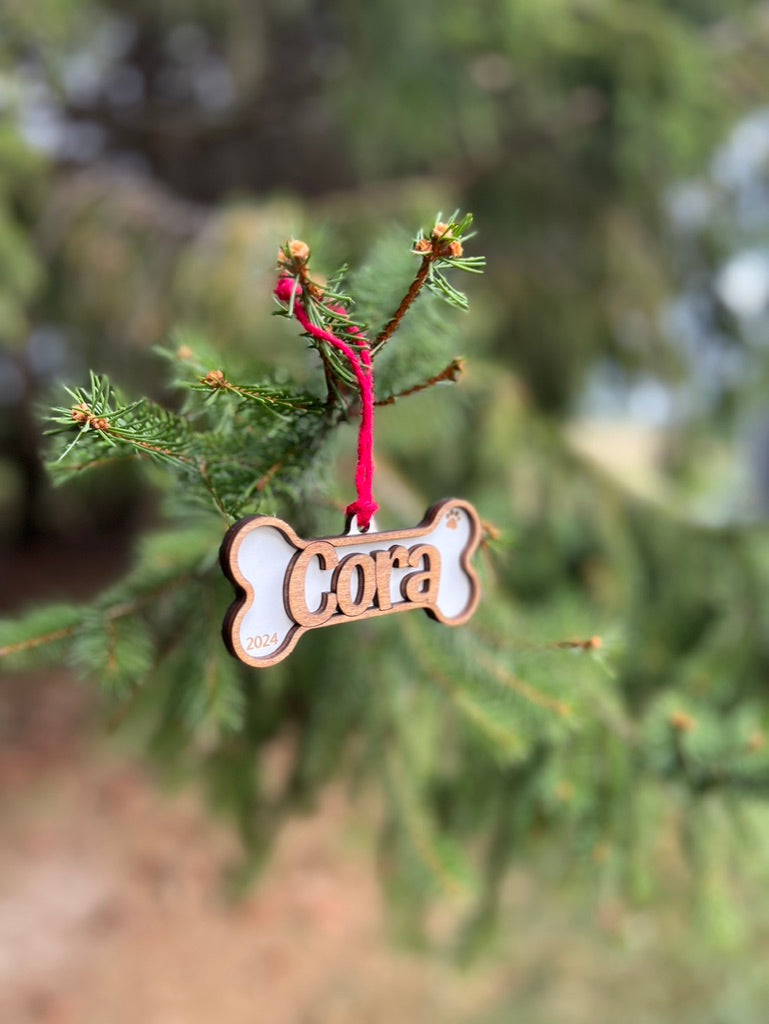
(227, 458)
(330, 308)
(443, 248)
(276, 400)
(452, 373)
(101, 416)
(240, 444)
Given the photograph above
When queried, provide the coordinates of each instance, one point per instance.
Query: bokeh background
(616, 156)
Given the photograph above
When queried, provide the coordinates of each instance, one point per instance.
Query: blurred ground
(111, 906)
(111, 912)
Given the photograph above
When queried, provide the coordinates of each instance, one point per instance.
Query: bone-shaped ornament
(285, 585)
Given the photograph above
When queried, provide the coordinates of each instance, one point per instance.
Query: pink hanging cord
(364, 506)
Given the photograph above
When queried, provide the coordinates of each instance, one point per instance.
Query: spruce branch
(442, 248)
(277, 400)
(452, 372)
(238, 444)
(439, 858)
(521, 687)
(496, 727)
(329, 307)
(80, 616)
(223, 459)
(100, 415)
(481, 739)
(33, 642)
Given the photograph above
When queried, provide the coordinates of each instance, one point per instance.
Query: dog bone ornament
(285, 585)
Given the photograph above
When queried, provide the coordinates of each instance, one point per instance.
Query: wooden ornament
(285, 585)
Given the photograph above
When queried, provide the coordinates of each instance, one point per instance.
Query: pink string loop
(364, 507)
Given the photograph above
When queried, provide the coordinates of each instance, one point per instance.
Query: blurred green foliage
(188, 141)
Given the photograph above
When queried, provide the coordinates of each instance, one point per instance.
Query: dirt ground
(111, 905)
(112, 912)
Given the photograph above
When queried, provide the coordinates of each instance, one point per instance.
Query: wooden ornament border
(244, 594)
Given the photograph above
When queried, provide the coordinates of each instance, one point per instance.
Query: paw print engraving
(453, 517)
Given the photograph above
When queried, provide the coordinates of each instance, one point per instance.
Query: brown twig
(36, 641)
(267, 476)
(216, 380)
(203, 470)
(147, 447)
(86, 420)
(520, 686)
(452, 372)
(440, 245)
(117, 611)
(415, 288)
(293, 260)
(593, 643)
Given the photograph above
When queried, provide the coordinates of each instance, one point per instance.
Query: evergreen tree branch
(495, 727)
(444, 247)
(277, 400)
(452, 372)
(415, 288)
(101, 415)
(521, 687)
(120, 610)
(432, 851)
(22, 646)
(98, 463)
(215, 496)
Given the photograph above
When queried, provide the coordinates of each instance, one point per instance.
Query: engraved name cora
(286, 585)
(360, 580)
